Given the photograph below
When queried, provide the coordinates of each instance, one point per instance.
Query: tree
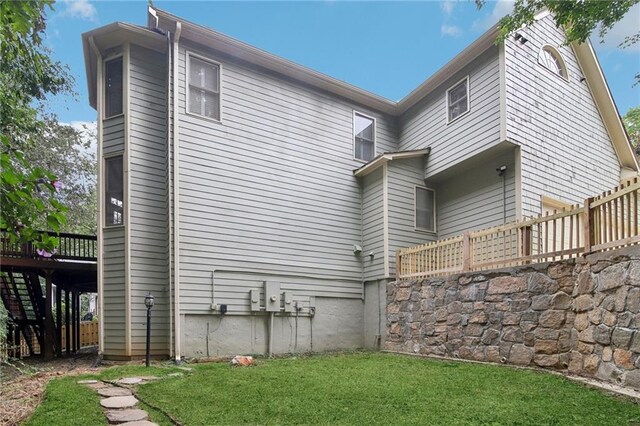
(66, 152)
(632, 123)
(28, 194)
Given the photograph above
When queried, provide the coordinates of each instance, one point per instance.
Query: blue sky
(387, 48)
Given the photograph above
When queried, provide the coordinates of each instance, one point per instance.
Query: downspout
(169, 170)
(100, 265)
(176, 192)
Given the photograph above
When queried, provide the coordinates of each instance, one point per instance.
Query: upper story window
(113, 87)
(458, 100)
(204, 88)
(114, 191)
(425, 209)
(551, 59)
(364, 144)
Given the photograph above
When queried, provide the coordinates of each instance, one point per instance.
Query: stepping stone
(113, 391)
(119, 402)
(130, 381)
(185, 368)
(175, 374)
(124, 416)
(139, 423)
(149, 378)
(98, 385)
(87, 382)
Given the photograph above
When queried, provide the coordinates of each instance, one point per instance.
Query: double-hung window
(364, 144)
(113, 87)
(458, 100)
(425, 209)
(114, 191)
(204, 88)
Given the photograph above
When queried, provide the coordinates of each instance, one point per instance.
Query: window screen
(457, 100)
(364, 143)
(425, 209)
(113, 88)
(204, 88)
(114, 191)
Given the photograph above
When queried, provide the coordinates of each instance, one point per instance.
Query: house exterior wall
(425, 124)
(567, 159)
(268, 193)
(149, 222)
(403, 176)
(373, 225)
(471, 198)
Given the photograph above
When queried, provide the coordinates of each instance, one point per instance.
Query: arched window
(550, 58)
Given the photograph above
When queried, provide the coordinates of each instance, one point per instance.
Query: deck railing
(71, 247)
(605, 222)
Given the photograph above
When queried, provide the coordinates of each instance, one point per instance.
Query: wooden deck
(29, 282)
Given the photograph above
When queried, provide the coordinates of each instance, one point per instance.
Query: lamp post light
(148, 302)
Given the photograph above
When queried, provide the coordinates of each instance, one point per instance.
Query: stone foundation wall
(580, 316)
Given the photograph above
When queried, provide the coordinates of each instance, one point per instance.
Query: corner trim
(385, 217)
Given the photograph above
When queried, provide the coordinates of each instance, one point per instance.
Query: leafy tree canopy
(28, 193)
(632, 123)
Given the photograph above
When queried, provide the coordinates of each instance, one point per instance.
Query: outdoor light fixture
(148, 302)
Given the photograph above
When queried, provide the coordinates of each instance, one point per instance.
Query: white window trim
(353, 135)
(104, 194)
(446, 96)
(555, 51)
(103, 109)
(415, 210)
(190, 54)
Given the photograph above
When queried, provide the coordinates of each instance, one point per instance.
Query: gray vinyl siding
(113, 290)
(472, 198)
(149, 227)
(566, 151)
(113, 135)
(372, 226)
(270, 188)
(403, 177)
(113, 255)
(425, 124)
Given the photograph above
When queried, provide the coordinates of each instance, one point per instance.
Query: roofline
(135, 33)
(386, 157)
(317, 79)
(606, 105)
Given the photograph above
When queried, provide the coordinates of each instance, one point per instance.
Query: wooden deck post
(58, 321)
(72, 342)
(76, 328)
(466, 252)
(589, 228)
(526, 242)
(48, 318)
(67, 320)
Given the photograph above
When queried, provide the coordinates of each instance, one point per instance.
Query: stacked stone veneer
(580, 316)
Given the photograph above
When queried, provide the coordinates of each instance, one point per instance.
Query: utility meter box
(272, 296)
(254, 296)
(288, 302)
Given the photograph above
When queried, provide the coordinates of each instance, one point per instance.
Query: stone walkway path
(119, 402)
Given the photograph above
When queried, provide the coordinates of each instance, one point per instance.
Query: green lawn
(362, 388)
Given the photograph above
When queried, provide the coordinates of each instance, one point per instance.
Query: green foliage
(4, 318)
(631, 122)
(28, 194)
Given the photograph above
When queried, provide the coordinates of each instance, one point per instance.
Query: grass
(361, 388)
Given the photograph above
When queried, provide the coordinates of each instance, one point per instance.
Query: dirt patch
(22, 382)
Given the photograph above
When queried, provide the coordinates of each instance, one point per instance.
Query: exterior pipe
(270, 351)
(169, 169)
(176, 193)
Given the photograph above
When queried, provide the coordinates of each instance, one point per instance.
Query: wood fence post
(589, 226)
(527, 232)
(398, 265)
(466, 252)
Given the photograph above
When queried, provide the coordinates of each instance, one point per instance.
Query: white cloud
(627, 26)
(447, 7)
(501, 8)
(450, 30)
(80, 9)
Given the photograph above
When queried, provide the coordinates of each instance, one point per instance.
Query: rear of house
(262, 203)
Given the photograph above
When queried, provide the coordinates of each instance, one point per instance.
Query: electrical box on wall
(254, 298)
(272, 297)
(289, 306)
